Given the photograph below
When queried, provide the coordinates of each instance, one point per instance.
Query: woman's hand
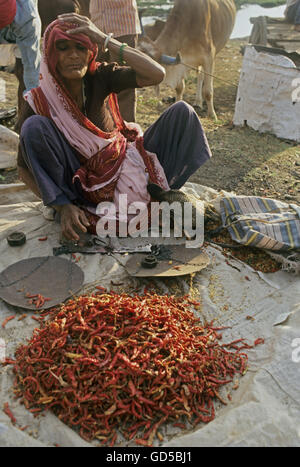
(72, 219)
(85, 26)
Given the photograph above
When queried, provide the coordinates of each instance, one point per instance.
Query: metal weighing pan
(51, 276)
(178, 262)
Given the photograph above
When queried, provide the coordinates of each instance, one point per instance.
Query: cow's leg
(157, 90)
(180, 89)
(208, 90)
(199, 99)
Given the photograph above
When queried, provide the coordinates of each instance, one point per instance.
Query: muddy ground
(244, 160)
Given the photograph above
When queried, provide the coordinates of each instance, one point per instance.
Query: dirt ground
(244, 160)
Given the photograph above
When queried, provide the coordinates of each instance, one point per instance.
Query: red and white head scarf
(52, 98)
(105, 152)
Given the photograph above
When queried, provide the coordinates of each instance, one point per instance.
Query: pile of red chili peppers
(109, 364)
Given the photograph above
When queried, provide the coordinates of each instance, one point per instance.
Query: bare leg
(180, 90)
(199, 98)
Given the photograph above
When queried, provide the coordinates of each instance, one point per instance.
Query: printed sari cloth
(111, 158)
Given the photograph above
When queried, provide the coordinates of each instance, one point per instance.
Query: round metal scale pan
(51, 276)
(181, 261)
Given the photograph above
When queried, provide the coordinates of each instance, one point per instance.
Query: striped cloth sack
(262, 222)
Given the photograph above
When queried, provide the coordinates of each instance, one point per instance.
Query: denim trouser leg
(293, 13)
(51, 160)
(179, 141)
(25, 31)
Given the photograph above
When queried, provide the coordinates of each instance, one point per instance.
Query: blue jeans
(293, 13)
(25, 31)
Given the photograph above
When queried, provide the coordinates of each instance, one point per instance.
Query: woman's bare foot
(297, 27)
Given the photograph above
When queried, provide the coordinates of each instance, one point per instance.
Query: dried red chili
(8, 412)
(112, 362)
(36, 299)
(258, 341)
(9, 318)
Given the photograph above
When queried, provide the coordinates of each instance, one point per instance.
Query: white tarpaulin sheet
(268, 97)
(8, 53)
(9, 142)
(265, 409)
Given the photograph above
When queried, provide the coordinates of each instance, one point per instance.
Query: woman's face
(73, 59)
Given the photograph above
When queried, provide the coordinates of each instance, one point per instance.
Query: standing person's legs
(293, 14)
(297, 17)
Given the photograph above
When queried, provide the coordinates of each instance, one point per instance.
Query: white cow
(198, 30)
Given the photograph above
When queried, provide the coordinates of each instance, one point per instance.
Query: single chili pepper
(142, 442)
(180, 425)
(236, 384)
(8, 361)
(43, 239)
(8, 412)
(258, 341)
(22, 317)
(35, 410)
(23, 427)
(9, 318)
(36, 318)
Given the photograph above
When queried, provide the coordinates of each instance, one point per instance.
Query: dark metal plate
(50, 276)
(180, 261)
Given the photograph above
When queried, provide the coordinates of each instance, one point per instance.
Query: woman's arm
(148, 71)
(72, 218)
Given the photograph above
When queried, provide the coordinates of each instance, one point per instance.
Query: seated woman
(76, 151)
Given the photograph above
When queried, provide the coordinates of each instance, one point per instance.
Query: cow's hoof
(199, 109)
(169, 100)
(213, 116)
